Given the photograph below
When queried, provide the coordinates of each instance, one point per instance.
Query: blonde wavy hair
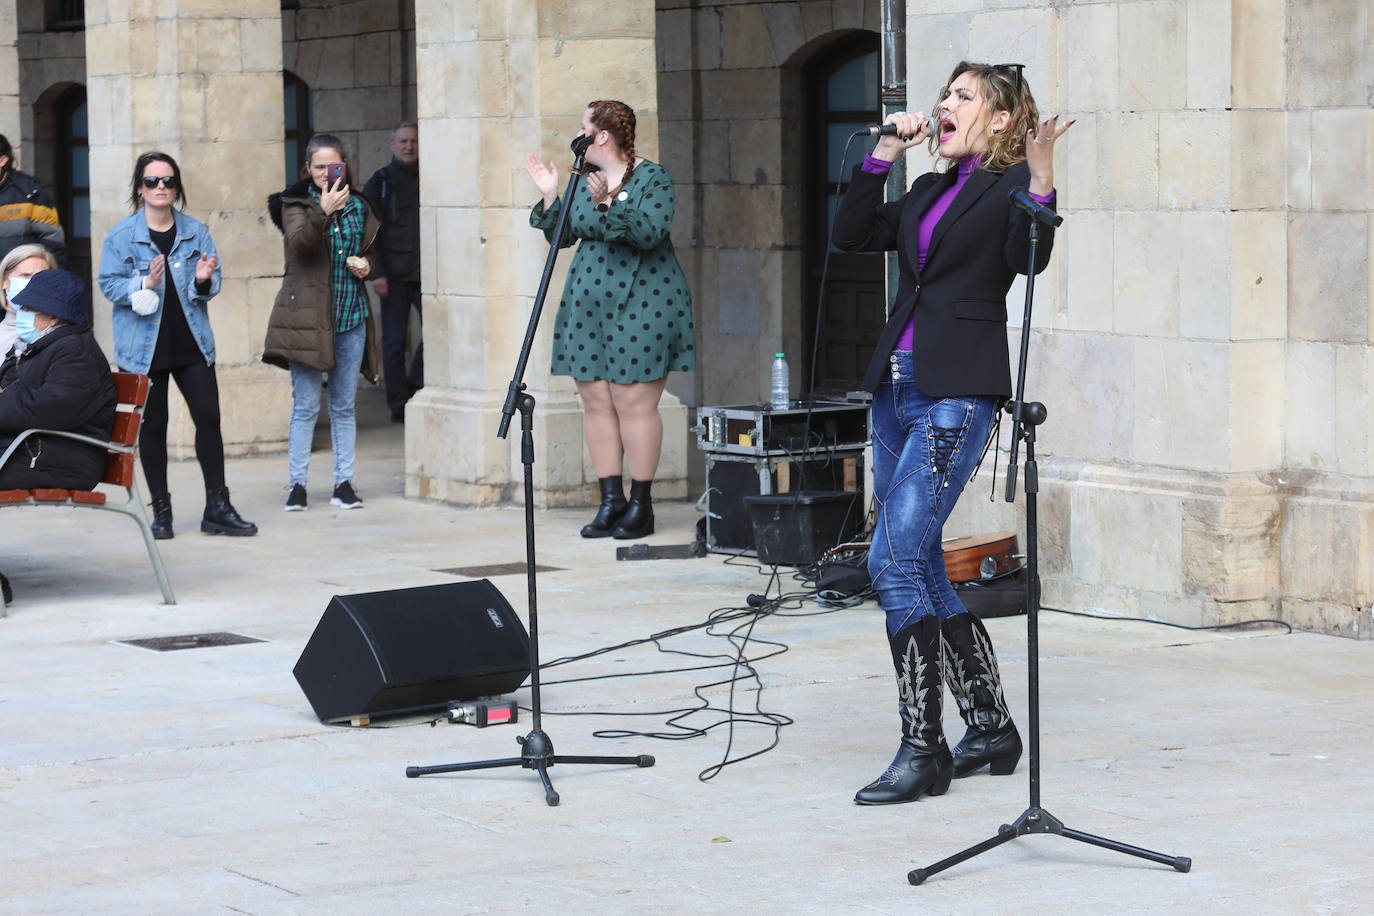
(999, 87)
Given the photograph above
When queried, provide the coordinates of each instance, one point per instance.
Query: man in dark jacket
(27, 213)
(61, 381)
(394, 192)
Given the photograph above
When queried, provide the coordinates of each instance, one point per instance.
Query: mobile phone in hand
(334, 174)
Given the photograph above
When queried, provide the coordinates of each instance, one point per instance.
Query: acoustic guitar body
(980, 556)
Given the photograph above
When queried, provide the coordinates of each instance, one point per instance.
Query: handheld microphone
(890, 130)
(1021, 198)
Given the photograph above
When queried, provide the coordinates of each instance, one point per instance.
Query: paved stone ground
(199, 781)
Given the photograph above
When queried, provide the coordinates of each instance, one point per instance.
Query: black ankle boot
(612, 508)
(923, 765)
(971, 672)
(162, 516)
(638, 520)
(222, 518)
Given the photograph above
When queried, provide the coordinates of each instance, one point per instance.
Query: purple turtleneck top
(926, 227)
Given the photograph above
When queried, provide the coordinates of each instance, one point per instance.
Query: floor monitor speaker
(412, 649)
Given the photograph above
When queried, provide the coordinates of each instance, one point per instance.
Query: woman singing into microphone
(940, 372)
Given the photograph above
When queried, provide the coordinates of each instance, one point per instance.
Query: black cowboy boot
(612, 508)
(971, 672)
(923, 765)
(162, 517)
(638, 520)
(222, 518)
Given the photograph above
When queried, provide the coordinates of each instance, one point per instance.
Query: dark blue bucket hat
(54, 292)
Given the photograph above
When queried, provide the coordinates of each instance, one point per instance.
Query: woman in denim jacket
(159, 268)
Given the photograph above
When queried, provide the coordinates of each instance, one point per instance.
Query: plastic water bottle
(781, 380)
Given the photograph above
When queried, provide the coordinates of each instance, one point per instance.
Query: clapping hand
(205, 267)
(155, 270)
(545, 177)
(597, 188)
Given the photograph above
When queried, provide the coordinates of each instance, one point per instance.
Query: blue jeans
(306, 384)
(924, 451)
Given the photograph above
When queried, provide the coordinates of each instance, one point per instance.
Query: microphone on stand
(890, 130)
(580, 143)
(1038, 211)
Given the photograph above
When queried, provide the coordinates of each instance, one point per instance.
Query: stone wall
(358, 58)
(1202, 339)
(10, 112)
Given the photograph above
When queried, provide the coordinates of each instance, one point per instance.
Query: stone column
(9, 72)
(497, 81)
(201, 81)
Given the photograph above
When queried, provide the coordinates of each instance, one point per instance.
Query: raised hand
(545, 177)
(333, 198)
(1040, 142)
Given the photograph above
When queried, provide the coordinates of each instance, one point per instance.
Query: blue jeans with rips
(306, 385)
(924, 452)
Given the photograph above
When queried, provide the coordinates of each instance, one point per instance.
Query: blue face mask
(23, 323)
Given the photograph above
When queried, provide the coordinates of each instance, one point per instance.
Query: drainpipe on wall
(894, 99)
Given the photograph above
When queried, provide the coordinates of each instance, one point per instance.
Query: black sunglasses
(168, 181)
(1018, 68)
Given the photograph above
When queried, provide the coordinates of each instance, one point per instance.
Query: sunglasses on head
(1018, 68)
(168, 181)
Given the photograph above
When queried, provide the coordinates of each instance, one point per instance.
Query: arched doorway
(841, 85)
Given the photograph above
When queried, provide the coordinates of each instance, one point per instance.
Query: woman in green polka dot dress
(625, 320)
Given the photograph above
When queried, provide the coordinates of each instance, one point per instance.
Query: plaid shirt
(344, 232)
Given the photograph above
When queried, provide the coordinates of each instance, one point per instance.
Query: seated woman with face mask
(60, 381)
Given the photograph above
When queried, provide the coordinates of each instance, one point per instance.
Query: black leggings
(200, 390)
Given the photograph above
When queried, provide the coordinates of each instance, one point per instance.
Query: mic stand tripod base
(1038, 820)
(536, 754)
(537, 750)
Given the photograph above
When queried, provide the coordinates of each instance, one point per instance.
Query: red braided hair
(619, 120)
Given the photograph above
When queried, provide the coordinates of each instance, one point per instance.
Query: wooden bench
(132, 390)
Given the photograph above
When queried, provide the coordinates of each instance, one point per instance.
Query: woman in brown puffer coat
(321, 322)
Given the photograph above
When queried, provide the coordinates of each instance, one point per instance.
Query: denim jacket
(128, 253)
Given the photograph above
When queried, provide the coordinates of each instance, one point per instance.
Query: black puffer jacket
(61, 381)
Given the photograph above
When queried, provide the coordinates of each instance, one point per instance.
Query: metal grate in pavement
(189, 641)
(495, 569)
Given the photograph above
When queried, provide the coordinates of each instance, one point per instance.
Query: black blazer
(959, 299)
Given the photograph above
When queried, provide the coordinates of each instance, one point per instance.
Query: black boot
(638, 520)
(612, 508)
(971, 672)
(923, 765)
(162, 516)
(222, 518)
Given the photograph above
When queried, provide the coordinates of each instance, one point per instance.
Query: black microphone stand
(1026, 417)
(536, 748)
